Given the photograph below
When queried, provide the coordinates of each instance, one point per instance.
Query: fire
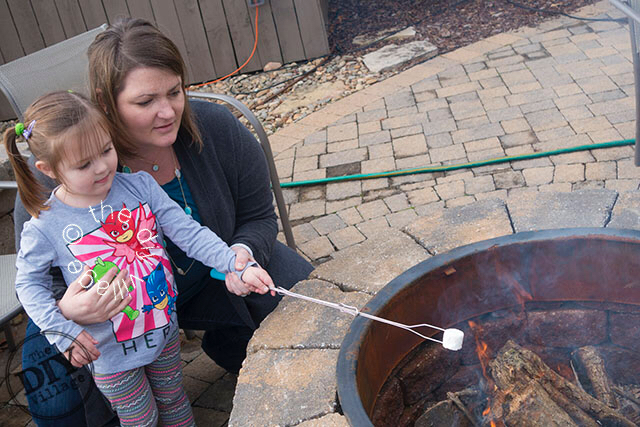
(482, 350)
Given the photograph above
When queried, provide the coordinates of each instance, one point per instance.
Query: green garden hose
(430, 169)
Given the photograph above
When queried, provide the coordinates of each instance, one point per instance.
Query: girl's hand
(258, 280)
(234, 284)
(99, 303)
(83, 350)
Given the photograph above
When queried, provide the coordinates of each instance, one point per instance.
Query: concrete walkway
(563, 84)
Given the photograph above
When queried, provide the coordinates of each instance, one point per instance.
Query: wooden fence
(214, 36)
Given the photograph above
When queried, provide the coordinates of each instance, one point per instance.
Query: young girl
(108, 221)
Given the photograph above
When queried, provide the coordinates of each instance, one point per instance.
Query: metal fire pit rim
(348, 395)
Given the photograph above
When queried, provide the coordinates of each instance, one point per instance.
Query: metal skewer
(451, 340)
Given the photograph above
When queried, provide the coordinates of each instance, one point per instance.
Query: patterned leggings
(140, 395)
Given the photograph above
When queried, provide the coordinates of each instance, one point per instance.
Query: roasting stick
(451, 339)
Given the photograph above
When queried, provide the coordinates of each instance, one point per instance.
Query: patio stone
(585, 208)
(317, 248)
(219, 395)
(210, 417)
(626, 212)
(298, 324)
(327, 224)
(203, 369)
(342, 132)
(457, 226)
(331, 420)
(370, 265)
(285, 387)
(343, 190)
(346, 237)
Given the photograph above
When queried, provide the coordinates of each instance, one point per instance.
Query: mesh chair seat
(9, 304)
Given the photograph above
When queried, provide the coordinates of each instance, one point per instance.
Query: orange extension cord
(255, 45)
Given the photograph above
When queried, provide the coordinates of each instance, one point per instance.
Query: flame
(482, 350)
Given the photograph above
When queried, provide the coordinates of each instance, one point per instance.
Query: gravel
(448, 25)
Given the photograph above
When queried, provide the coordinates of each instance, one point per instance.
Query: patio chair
(631, 8)
(63, 66)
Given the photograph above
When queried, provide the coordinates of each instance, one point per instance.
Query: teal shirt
(198, 276)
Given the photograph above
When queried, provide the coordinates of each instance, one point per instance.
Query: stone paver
(587, 208)
(352, 269)
(300, 385)
(299, 324)
(459, 226)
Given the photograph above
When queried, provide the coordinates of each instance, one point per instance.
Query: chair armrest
(627, 10)
(8, 185)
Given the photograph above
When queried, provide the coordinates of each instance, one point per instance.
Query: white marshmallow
(452, 339)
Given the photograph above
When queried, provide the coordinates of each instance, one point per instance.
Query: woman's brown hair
(127, 44)
(57, 124)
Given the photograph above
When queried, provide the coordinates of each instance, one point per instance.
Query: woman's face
(150, 105)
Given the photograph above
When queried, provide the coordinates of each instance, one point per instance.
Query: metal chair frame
(631, 8)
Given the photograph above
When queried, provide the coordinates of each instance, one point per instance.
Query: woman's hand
(99, 303)
(82, 350)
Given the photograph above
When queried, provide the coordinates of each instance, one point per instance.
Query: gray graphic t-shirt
(126, 230)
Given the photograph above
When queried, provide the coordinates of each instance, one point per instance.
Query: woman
(208, 163)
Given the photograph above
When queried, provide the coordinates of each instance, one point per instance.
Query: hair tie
(26, 133)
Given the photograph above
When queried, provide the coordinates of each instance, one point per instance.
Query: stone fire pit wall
(289, 376)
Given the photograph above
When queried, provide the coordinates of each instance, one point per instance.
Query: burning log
(441, 414)
(516, 368)
(532, 406)
(450, 412)
(593, 376)
(629, 402)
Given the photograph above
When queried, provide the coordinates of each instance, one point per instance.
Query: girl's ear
(45, 168)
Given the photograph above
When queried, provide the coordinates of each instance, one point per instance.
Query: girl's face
(150, 105)
(85, 181)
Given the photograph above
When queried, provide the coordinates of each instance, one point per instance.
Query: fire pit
(562, 307)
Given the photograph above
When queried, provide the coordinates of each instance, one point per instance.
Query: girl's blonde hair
(62, 122)
(125, 45)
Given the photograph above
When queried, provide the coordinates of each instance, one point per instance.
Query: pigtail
(30, 189)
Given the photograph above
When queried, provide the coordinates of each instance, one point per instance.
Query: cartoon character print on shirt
(158, 292)
(128, 239)
(125, 235)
